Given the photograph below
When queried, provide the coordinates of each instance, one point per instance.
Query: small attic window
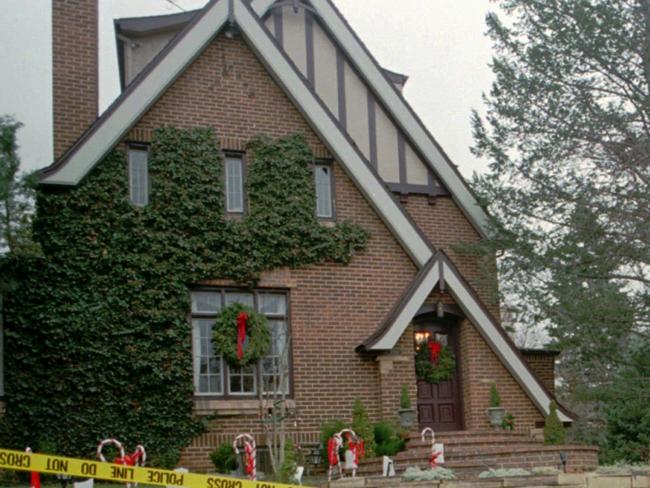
(324, 197)
(138, 175)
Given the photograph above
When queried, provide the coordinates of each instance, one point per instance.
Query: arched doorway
(439, 405)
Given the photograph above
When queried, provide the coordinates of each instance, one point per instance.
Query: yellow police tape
(81, 468)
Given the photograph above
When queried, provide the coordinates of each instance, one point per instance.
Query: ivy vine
(97, 327)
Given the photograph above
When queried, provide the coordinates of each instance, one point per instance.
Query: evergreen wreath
(434, 372)
(224, 335)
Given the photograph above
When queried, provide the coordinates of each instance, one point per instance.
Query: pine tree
(16, 195)
(362, 427)
(567, 136)
(287, 471)
(554, 433)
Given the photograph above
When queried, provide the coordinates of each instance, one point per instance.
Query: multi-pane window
(212, 375)
(234, 179)
(323, 180)
(139, 176)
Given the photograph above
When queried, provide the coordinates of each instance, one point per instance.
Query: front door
(439, 405)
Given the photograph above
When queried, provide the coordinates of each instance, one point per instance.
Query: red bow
(129, 459)
(241, 333)
(332, 452)
(434, 349)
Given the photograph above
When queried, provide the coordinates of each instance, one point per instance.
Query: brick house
(263, 67)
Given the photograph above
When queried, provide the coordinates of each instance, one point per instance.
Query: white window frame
(329, 214)
(134, 198)
(240, 208)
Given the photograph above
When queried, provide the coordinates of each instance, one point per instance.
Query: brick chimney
(74, 70)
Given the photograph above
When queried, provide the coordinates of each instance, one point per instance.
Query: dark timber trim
(340, 71)
(309, 34)
(278, 26)
(372, 128)
(401, 155)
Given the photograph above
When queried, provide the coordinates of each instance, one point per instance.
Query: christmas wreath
(434, 362)
(241, 335)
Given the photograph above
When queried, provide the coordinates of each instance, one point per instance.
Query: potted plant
(496, 413)
(407, 414)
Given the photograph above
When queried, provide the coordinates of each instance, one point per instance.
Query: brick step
(495, 435)
(471, 441)
(470, 463)
(453, 451)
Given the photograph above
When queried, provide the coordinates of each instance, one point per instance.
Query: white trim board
(115, 124)
(467, 300)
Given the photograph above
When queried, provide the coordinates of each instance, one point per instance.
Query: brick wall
(333, 307)
(543, 364)
(480, 367)
(74, 70)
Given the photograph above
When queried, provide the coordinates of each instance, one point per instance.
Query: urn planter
(407, 417)
(496, 416)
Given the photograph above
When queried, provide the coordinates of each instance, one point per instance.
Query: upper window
(234, 184)
(323, 179)
(212, 375)
(139, 176)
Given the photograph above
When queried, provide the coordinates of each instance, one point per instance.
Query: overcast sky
(440, 44)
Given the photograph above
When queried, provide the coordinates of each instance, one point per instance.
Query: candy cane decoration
(106, 442)
(35, 477)
(137, 458)
(333, 446)
(250, 454)
(434, 454)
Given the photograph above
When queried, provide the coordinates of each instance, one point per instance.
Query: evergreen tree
(287, 471)
(627, 413)
(554, 433)
(362, 427)
(567, 135)
(16, 195)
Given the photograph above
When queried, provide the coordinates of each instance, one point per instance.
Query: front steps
(469, 453)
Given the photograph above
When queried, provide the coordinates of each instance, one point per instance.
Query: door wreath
(434, 362)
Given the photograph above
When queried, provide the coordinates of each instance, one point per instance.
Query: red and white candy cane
(434, 454)
(250, 454)
(107, 442)
(35, 477)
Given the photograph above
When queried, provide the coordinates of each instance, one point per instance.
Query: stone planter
(496, 416)
(407, 417)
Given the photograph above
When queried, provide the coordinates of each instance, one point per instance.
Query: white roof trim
(138, 101)
(415, 301)
(400, 110)
(112, 127)
(484, 323)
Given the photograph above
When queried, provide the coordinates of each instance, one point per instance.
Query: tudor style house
(263, 67)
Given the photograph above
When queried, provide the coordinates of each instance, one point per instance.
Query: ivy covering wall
(98, 341)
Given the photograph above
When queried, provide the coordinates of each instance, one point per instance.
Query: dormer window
(138, 176)
(324, 199)
(234, 183)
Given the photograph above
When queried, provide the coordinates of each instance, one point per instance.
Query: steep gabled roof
(440, 269)
(170, 63)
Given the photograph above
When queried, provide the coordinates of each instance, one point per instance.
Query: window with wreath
(212, 375)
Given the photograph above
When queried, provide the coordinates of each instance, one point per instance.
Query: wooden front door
(439, 405)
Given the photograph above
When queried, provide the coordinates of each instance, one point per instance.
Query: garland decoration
(434, 363)
(241, 335)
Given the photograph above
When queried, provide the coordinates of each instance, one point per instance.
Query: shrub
(327, 430)
(405, 399)
(416, 474)
(503, 473)
(554, 433)
(224, 459)
(362, 427)
(287, 471)
(387, 440)
(495, 398)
